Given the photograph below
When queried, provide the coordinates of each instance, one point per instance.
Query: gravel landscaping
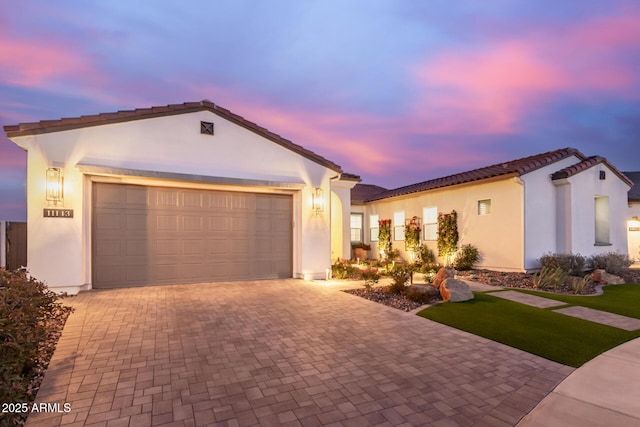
(499, 279)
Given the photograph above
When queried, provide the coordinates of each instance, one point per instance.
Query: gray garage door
(155, 235)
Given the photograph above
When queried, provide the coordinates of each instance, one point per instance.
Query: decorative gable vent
(206, 128)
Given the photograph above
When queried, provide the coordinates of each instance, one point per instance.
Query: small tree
(447, 234)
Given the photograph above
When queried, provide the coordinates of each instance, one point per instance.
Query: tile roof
(47, 126)
(586, 164)
(516, 167)
(363, 192)
(634, 193)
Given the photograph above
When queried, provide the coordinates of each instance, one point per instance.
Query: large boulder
(601, 276)
(455, 290)
(443, 274)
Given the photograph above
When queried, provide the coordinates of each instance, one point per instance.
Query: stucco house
(184, 193)
(513, 212)
(193, 193)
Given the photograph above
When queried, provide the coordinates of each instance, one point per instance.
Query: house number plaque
(58, 213)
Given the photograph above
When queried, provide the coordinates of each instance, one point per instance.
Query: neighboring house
(185, 193)
(634, 215)
(513, 212)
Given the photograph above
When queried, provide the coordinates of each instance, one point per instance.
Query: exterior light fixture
(55, 185)
(634, 223)
(318, 200)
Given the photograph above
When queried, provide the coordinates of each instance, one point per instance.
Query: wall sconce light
(55, 185)
(318, 200)
(634, 223)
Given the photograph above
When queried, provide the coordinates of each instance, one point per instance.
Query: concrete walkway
(603, 392)
(278, 353)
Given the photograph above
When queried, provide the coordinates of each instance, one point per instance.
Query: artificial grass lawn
(554, 336)
(618, 299)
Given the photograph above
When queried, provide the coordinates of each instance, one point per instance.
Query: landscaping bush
(425, 255)
(401, 275)
(417, 296)
(466, 258)
(371, 277)
(31, 319)
(344, 270)
(569, 263)
(550, 278)
(611, 262)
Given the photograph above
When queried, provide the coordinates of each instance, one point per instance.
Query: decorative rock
(601, 276)
(455, 290)
(443, 274)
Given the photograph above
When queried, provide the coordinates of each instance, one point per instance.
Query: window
(602, 221)
(398, 225)
(484, 207)
(373, 228)
(430, 226)
(356, 227)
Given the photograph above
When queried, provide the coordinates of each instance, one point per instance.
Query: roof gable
(64, 124)
(587, 164)
(516, 167)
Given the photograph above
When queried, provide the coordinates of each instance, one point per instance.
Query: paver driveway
(282, 352)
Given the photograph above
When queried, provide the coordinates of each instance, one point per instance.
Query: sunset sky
(395, 91)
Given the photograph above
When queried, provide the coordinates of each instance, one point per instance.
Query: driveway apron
(284, 352)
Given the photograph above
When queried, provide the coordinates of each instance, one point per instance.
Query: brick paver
(598, 316)
(532, 300)
(282, 352)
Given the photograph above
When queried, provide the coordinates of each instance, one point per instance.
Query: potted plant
(360, 250)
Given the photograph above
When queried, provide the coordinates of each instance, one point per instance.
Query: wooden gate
(16, 245)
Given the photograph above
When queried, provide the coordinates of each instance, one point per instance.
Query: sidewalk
(603, 392)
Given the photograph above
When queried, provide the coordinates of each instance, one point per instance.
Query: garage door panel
(218, 223)
(217, 200)
(136, 247)
(135, 196)
(146, 235)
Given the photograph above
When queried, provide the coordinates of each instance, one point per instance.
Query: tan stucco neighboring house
(183, 193)
(634, 216)
(513, 212)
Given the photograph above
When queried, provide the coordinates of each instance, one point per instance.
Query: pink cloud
(38, 63)
(489, 91)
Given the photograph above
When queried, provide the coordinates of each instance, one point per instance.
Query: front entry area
(145, 235)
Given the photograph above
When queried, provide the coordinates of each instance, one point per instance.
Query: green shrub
(466, 258)
(344, 270)
(371, 277)
(550, 278)
(611, 262)
(569, 263)
(425, 255)
(401, 275)
(30, 319)
(580, 285)
(417, 296)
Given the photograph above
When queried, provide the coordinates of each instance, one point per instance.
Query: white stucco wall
(585, 187)
(59, 249)
(540, 212)
(498, 236)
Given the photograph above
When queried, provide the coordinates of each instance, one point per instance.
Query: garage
(147, 235)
